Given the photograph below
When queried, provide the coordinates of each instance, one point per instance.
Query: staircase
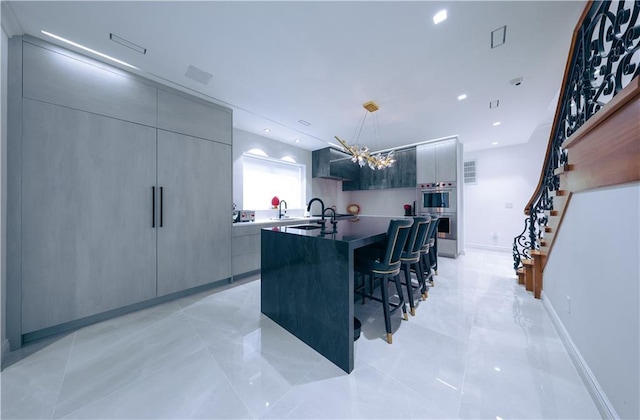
(595, 138)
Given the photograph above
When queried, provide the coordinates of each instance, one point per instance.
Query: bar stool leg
(402, 302)
(385, 306)
(407, 273)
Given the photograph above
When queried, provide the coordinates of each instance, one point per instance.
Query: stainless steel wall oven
(437, 197)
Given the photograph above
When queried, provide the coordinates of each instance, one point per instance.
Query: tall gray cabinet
(193, 174)
(119, 191)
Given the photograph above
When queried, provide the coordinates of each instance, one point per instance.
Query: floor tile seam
(135, 332)
(122, 387)
(64, 374)
(143, 374)
(235, 390)
(401, 384)
(298, 383)
(464, 373)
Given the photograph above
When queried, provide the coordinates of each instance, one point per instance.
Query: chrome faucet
(280, 208)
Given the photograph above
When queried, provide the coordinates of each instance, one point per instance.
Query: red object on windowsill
(275, 201)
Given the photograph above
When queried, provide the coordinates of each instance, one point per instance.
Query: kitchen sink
(306, 227)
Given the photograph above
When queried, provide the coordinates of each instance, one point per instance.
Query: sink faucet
(333, 217)
(280, 208)
(321, 203)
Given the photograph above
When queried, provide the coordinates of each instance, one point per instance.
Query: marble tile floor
(479, 347)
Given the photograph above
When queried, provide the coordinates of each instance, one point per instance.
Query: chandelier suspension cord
(376, 127)
(363, 119)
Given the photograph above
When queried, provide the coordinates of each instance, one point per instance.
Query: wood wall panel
(609, 152)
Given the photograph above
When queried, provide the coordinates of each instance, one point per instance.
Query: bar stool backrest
(397, 234)
(433, 228)
(416, 236)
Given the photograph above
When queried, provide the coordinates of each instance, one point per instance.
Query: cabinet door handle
(161, 206)
(153, 207)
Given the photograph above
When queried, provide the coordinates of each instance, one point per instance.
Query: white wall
(388, 202)
(595, 262)
(507, 176)
(244, 141)
(3, 193)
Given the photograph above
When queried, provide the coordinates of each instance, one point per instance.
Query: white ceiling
(276, 63)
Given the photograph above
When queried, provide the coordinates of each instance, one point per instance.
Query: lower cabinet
(194, 206)
(88, 244)
(245, 249)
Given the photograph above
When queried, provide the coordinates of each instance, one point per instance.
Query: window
(265, 178)
(470, 176)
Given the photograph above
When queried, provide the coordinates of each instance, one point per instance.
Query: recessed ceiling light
(497, 123)
(266, 130)
(461, 97)
(494, 143)
(82, 47)
(440, 16)
(297, 140)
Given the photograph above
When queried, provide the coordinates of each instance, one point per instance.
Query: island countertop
(357, 232)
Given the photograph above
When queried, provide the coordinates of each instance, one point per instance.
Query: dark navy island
(307, 280)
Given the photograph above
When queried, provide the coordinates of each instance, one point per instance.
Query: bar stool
(410, 258)
(384, 264)
(428, 255)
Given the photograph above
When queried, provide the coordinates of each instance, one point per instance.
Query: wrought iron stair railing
(604, 58)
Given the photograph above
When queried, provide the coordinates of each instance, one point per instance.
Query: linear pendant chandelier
(360, 154)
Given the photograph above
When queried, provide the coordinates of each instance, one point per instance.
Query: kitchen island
(307, 281)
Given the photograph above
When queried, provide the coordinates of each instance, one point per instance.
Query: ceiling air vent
(498, 36)
(198, 75)
(127, 43)
(470, 175)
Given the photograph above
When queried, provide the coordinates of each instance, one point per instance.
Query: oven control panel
(443, 184)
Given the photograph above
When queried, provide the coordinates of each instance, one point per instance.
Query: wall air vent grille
(470, 174)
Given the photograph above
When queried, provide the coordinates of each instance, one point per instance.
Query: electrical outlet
(568, 304)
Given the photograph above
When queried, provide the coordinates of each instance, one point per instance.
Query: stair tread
(527, 261)
(563, 169)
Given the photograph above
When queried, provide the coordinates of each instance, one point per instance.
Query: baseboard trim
(606, 409)
(4, 351)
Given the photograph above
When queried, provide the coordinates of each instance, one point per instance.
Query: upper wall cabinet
(61, 77)
(437, 162)
(332, 164)
(401, 175)
(186, 116)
